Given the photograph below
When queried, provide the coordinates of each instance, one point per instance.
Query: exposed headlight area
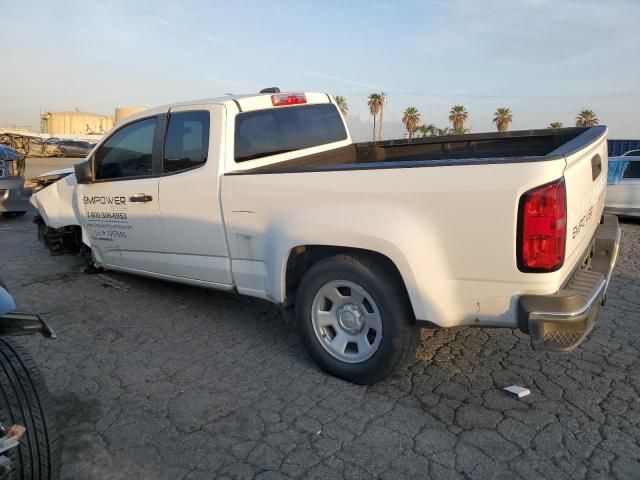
(38, 183)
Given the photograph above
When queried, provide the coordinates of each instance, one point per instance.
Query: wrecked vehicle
(51, 148)
(26, 145)
(266, 195)
(29, 444)
(14, 197)
(74, 148)
(33, 146)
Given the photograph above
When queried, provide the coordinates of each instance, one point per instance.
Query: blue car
(14, 198)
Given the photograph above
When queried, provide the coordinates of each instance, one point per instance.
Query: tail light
(542, 228)
(282, 99)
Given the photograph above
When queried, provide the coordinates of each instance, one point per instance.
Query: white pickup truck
(266, 195)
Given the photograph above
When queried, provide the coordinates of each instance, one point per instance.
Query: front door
(120, 209)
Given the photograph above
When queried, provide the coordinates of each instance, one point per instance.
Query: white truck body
(448, 224)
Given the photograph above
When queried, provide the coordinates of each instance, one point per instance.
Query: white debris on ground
(518, 391)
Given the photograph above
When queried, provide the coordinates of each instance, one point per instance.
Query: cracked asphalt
(153, 380)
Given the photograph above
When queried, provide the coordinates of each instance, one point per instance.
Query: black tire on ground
(400, 337)
(14, 214)
(24, 400)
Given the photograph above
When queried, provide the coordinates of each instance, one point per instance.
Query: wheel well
(59, 240)
(303, 257)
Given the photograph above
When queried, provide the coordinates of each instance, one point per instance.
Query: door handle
(141, 197)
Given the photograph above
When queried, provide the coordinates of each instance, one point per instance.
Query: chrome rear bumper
(561, 321)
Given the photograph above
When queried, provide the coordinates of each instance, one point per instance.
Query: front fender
(57, 203)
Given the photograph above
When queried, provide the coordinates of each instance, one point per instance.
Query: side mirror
(83, 171)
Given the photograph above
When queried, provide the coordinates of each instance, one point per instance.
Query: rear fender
(397, 244)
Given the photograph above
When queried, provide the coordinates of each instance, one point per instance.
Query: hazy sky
(544, 59)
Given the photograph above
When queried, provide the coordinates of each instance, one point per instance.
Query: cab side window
(128, 152)
(187, 141)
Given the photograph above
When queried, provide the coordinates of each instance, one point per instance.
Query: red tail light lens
(282, 99)
(542, 228)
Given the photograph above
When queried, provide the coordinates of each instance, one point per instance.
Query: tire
(356, 276)
(24, 400)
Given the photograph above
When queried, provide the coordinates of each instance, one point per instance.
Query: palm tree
(427, 130)
(555, 125)
(457, 116)
(431, 129)
(374, 107)
(383, 100)
(411, 119)
(503, 118)
(441, 132)
(459, 131)
(342, 104)
(587, 118)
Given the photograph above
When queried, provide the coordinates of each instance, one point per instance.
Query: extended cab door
(189, 194)
(119, 209)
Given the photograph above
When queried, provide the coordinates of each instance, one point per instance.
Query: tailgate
(586, 182)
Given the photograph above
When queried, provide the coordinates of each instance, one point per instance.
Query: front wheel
(354, 318)
(24, 400)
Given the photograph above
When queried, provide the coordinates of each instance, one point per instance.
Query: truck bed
(481, 148)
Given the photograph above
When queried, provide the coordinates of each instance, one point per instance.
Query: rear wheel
(24, 400)
(355, 319)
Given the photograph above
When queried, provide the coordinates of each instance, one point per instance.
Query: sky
(544, 59)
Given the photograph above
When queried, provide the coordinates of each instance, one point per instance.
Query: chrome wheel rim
(346, 321)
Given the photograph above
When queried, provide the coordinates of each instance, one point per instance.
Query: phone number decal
(107, 215)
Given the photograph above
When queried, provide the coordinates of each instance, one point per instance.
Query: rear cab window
(279, 130)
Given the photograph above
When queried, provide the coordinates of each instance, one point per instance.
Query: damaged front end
(57, 220)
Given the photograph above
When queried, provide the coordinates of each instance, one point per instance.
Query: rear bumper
(561, 321)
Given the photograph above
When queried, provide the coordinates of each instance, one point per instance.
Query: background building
(124, 112)
(80, 123)
(75, 123)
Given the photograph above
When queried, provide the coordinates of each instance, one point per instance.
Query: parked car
(52, 148)
(74, 148)
(623, 190)
(14, 197)
(266, 195)
(29, 444)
